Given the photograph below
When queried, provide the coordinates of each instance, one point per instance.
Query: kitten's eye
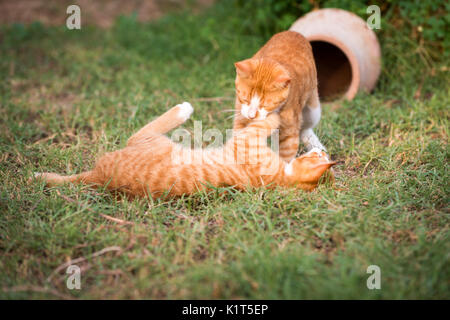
(277, 103)
(242, 101)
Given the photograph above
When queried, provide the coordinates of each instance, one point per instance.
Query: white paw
(311, 141)
(262, 114)
(185, 110)
(320, 147)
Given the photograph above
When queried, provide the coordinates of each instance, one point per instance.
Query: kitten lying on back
(146, 166)
(281, 76)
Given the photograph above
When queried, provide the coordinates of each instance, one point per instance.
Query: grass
(68, 96)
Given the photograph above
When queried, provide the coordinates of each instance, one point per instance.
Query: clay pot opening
(337, 71)
(346, 51)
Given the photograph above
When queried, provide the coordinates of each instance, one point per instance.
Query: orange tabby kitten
(282, 77)
(152, 164)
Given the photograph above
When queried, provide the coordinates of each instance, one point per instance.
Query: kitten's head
(305, 171)
(262, 86)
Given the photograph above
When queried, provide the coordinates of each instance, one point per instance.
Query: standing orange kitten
(282, 77)
(152, 165)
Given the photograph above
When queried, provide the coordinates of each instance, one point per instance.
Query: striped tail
(54, 179)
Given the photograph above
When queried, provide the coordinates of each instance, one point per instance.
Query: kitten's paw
(314, 144)
(262, 114)
(185, 110)
(310, 140)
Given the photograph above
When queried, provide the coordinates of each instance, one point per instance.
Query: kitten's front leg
(289, 142)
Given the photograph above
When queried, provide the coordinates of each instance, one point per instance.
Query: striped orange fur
(146, 166)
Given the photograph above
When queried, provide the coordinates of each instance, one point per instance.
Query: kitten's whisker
(237, 115)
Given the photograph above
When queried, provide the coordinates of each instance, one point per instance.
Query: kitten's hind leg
(311, 116)
(169, 120)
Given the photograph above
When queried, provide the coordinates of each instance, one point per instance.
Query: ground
(69, 96)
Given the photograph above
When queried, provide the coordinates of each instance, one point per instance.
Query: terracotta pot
(346, 51)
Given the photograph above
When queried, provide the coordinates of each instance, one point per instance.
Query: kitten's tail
(54, 179)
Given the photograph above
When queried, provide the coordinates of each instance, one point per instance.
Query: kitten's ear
(244, 68)
(282, 81)
(311, 172)
(318, 170)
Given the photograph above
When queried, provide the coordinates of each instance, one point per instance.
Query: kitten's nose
(252, 112)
